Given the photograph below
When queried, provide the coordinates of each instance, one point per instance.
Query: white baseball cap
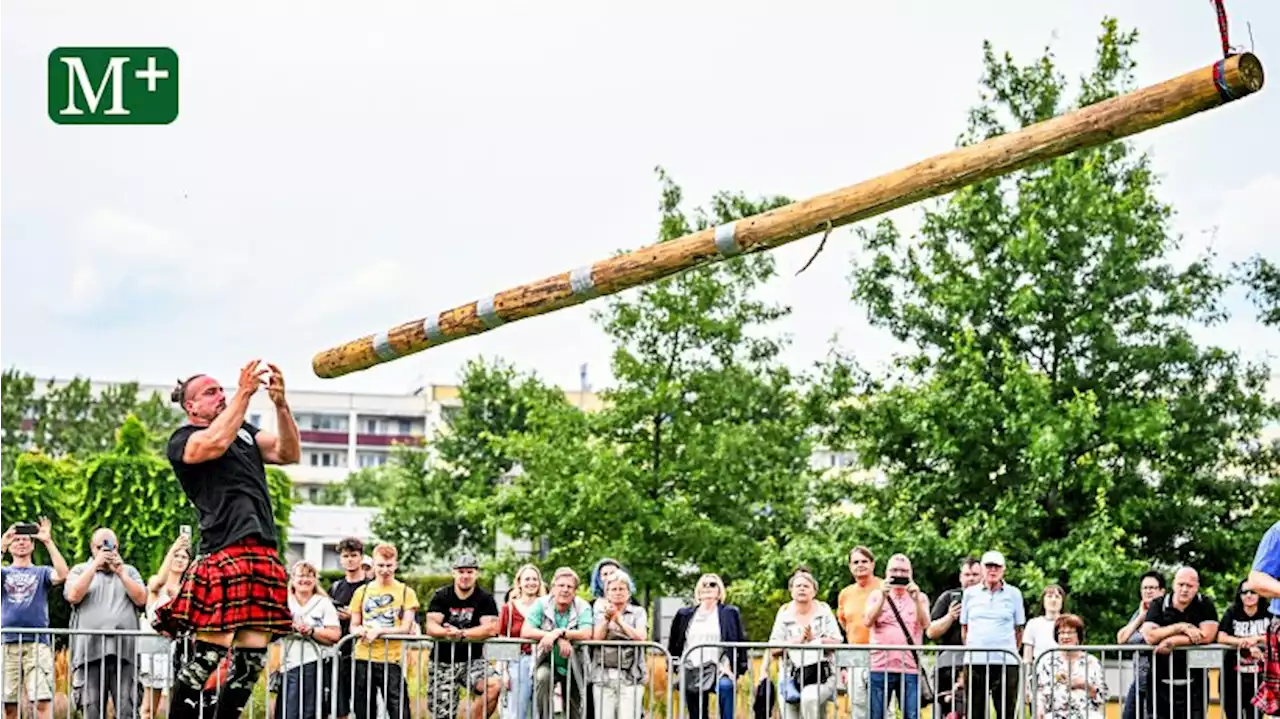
(993, 557)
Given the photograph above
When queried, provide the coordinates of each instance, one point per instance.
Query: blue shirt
(992, 619)
(1267, 560)
(24, 601)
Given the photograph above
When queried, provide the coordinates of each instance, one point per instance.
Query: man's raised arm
(212, 441)
(284, 447)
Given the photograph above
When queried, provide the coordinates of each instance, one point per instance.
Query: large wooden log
(1227, 80)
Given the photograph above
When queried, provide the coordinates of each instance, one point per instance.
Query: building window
(328, 459)
(371, 426)
(372, 459)
(406, 426)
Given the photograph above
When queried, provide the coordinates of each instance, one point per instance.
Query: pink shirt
(886, 630)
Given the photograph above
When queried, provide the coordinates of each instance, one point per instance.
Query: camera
(899, 581)
(27, 528)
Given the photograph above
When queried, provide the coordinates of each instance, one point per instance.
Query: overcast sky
(339, 168)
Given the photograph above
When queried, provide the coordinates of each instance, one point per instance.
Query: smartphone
(185, 530)
(27, 528)
(108, 545)
(899, 581)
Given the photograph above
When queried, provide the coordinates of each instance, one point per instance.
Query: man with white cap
(992, 616)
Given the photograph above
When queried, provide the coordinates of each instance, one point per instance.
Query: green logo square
(113, 85)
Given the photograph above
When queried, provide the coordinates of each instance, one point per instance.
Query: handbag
(926, 687)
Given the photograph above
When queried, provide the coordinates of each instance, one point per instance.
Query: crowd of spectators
(972, 649)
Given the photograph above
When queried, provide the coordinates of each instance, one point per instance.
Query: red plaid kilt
(242, 586)
(1267, 700)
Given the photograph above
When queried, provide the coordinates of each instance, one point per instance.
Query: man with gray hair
(555, 620)
(105, 594)
(992, 617)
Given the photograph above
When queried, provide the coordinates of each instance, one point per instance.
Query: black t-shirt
(463, 614)
(1244, 626)
(341, 593)
(229, 492)
(1164, 614)
(952, 637)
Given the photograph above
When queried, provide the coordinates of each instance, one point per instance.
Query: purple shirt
(24, 601)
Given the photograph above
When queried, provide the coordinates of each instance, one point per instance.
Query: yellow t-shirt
(851, 609)
(384, 607)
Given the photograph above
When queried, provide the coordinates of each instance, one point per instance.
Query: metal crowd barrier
(400, 676)
(815, 681)
(1191, 682)
(103, 674)
(127, 674)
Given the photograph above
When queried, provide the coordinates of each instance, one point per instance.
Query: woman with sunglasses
(712, 670)
(1244, 627)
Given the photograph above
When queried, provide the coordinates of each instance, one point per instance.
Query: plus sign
(151, 74)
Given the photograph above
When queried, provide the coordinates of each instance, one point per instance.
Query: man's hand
(913, 589)
(566, 649)
(9, 534)
(1194, 634)
(251, 378)
(344, 614)
(45, 532)
(1165, 646)
(548, 640)
(954, 611)
(275, 385)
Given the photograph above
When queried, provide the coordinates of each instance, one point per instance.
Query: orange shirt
(851, 608)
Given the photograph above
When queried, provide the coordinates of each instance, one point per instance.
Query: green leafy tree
(1262, 278)
(16, 392)
(699, 458)
(365, 487)
(41, 486)
(440, 497)
(132, 491)
(280, 491)
(1052, 402)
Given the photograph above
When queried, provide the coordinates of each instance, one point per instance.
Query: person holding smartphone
(24, 602)
(898, 614)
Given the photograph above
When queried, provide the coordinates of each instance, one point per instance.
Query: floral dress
(1055, 699)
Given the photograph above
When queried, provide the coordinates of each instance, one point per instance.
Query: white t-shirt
(319, 613)
(704, 628)
(1039, 636)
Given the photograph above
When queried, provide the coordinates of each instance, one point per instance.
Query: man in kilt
(235, 595)
(1265, 580)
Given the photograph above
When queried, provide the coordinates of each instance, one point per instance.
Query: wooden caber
(1225, 81)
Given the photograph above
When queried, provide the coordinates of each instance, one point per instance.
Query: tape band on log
(431, 328)
(581, 282)
(382, 346)
(486, 312)
(727, 240)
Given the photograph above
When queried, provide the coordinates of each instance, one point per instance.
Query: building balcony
(323, 437)
(386, 440)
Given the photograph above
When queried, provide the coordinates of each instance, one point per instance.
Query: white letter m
(76, 72)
